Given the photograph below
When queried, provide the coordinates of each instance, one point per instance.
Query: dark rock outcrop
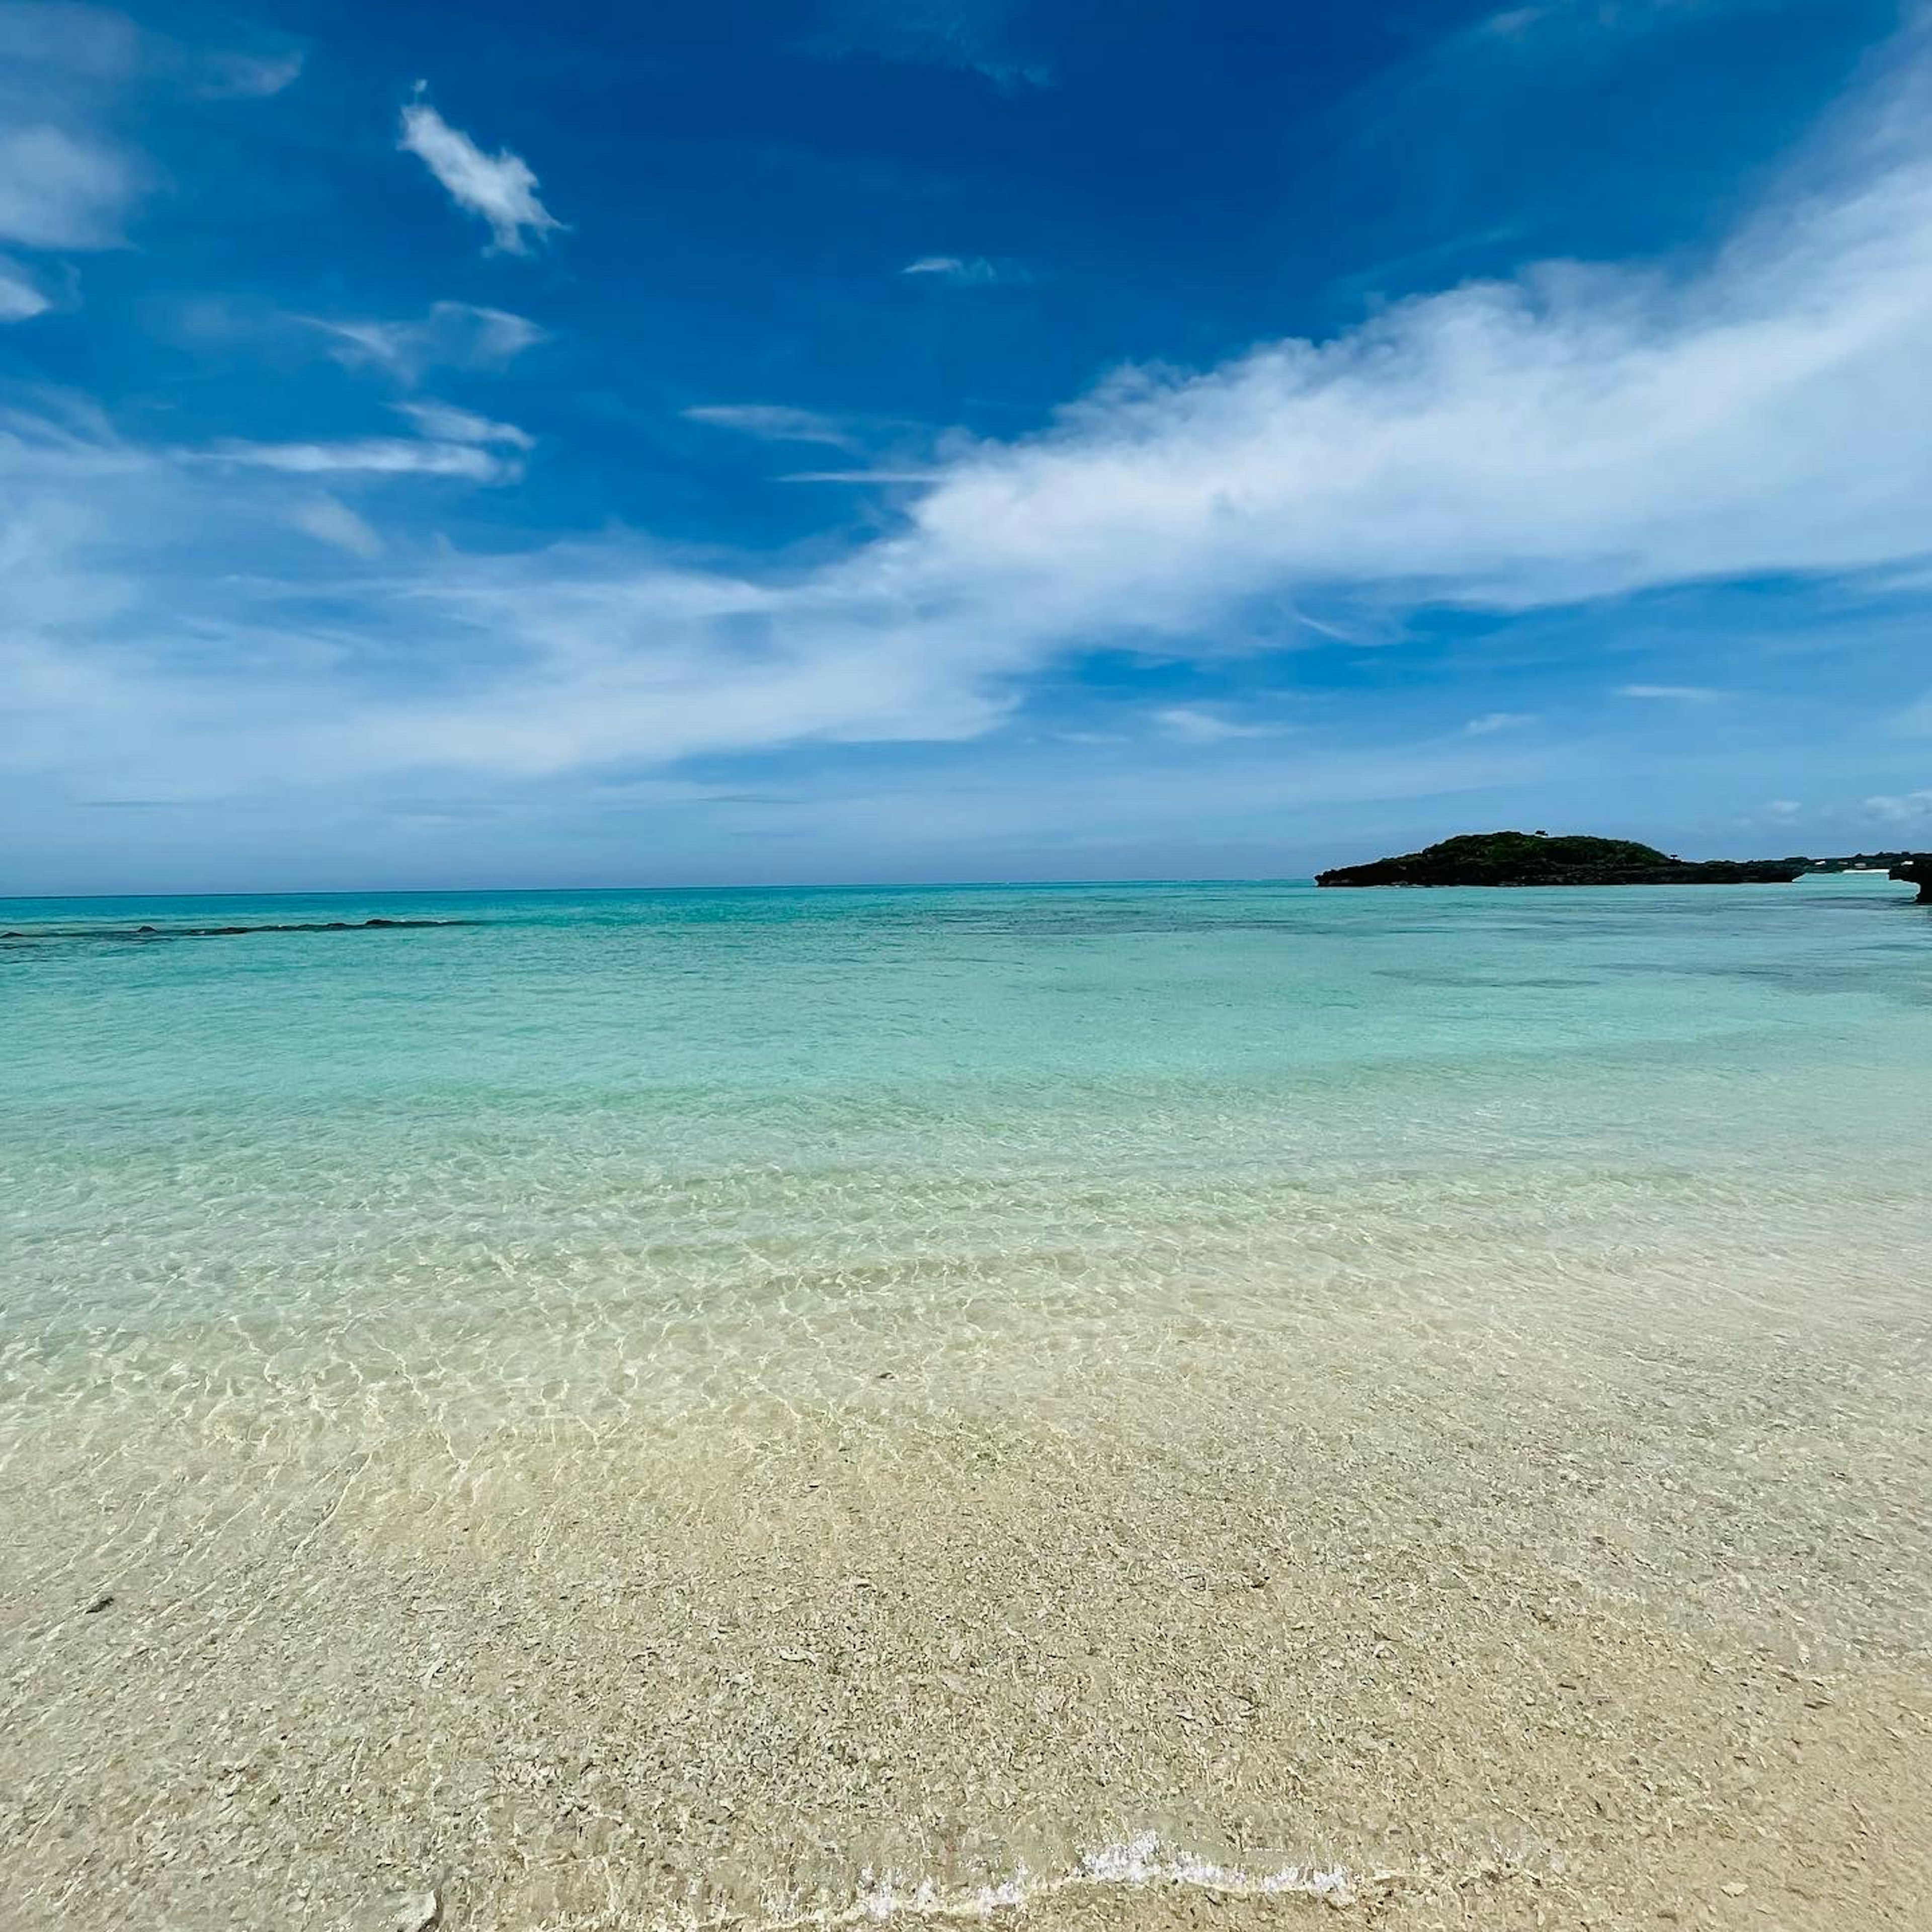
(1917, 872)
(1535, 859)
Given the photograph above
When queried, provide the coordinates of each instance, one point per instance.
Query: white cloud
(1576, 434)
(1672, 693)
(773, 423)
(331, 522)
(1907, 810)
(499, 187)
(369, 456)
(69, 75)
(441, 422)
(1783, 808)
(778, 423)
(1491, 722)
(967, 271)
(62, 190)
(1192, 724)
(66, 181)
(249, 77)
(452, 335)
(875, 474)
(20, 300)
(84, 51)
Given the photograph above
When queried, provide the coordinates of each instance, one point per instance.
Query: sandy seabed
(1618, 1621)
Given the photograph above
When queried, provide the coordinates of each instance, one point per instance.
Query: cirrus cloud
(453, 334)
(966, 270)
(63, 189)
(20, 297)
(332, 522)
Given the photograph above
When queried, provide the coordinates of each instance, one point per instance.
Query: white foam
(1141, 1861)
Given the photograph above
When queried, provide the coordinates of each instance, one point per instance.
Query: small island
(1536, 859)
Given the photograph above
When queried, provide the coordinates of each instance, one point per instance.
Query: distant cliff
(1535, 859)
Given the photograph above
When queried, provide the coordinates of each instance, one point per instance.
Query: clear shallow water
(665, 1146)
(645, 1409)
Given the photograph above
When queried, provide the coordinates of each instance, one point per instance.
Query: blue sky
(951, 439)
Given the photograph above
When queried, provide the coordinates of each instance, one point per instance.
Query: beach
(1099, 1405)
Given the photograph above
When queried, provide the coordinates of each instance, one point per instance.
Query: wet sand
(1610, 1619)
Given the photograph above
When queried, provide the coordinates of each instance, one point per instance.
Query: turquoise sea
(722, 1131)
(562, 1189)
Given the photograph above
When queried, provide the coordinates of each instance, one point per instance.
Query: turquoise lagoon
(673, 1147)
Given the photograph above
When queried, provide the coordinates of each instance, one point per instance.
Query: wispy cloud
(1491, 722)
(875, 474)
(780, 424)
(60, 189)
(452, 335)
(1909, 808)
(1672, 693)
(773, 422)
(71, 76)
(249, 77)
(967, 271)
(1194, 724)
(440, 422)
(1542, 20)
(333, 522)
(499, 187)
(368, 456)
(979, 37)
(20, 297)
(1573, 434)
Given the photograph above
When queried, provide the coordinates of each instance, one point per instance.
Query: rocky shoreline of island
(1916, 871)
(1529, 858)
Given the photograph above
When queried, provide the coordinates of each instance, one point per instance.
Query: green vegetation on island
(1536, 859)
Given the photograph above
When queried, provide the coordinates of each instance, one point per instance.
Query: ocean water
(676, 1145)
(325, 1248)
